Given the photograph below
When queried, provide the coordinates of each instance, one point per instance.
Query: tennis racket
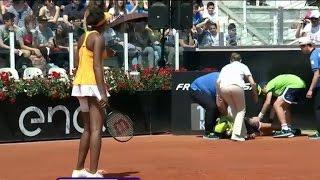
(119, 125)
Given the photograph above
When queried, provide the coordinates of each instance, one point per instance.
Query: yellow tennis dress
(84, 83)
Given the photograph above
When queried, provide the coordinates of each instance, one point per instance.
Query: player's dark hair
(95, 16)
(235, 57)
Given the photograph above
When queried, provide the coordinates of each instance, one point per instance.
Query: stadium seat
(31, 72)
(13, 72)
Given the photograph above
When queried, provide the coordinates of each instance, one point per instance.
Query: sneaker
(211, 136)
(95, 175)
(315, 136)
(79, 173)
(283, 134)
(237, 138)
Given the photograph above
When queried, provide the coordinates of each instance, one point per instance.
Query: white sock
(285, 127)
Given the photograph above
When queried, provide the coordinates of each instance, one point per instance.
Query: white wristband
(261, 115)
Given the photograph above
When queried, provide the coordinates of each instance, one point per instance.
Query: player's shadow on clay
(122, 174)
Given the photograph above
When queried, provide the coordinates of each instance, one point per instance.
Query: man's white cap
(305, 40)
(314, 14)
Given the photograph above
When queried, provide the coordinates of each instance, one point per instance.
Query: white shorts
(82, 92)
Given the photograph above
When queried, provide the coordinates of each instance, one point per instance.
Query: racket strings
(119, 125)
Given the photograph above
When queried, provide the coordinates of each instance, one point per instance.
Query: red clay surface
(165, 157)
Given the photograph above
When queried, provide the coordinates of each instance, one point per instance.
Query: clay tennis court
(170, 157)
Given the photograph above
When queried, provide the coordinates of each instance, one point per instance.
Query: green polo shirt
(278, 84)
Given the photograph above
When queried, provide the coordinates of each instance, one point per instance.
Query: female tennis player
(88, 87)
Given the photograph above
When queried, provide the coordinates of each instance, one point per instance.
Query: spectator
(155, 38)
(109, 4)
(131, 6)
(5, 4)
(302, 24)
(230, 87)
(96, 4)
(61, 36)
(232, 39)
(118, 10)
(141, 39)
(197, 17)
(36, 5)
(288, 89)
(73, 15)
(169, 45)
(62, 3)
(27, 37)
(211, 14)
(51, 12)
(313, 29)
(59, 54)
(200, 5)
(21, 56)
(44, 40)
(186, 39)
(207, 34)
(142, 6)
(21, 10)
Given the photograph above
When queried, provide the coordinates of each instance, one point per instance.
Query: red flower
(164, 71)
(55, 75)
(147, 71)
(5, 77)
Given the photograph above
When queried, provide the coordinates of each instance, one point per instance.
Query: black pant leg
(317, 107)
(209, 104)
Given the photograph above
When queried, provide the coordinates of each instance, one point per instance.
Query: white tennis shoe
(79, 173)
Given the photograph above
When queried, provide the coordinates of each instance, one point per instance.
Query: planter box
(41, 118)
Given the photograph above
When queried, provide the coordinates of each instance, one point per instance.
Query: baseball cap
(307, 16)
(304, 40)
(314, 14)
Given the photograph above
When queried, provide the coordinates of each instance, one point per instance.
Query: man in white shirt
(230, 87)
(313, 29)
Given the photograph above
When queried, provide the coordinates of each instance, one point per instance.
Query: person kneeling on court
(203, 92)
(288, 89)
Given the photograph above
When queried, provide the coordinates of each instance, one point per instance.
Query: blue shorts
(293, 95)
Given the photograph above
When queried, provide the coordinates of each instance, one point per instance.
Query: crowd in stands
(41, 29)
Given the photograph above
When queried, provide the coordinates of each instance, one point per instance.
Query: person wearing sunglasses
(21, 10)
